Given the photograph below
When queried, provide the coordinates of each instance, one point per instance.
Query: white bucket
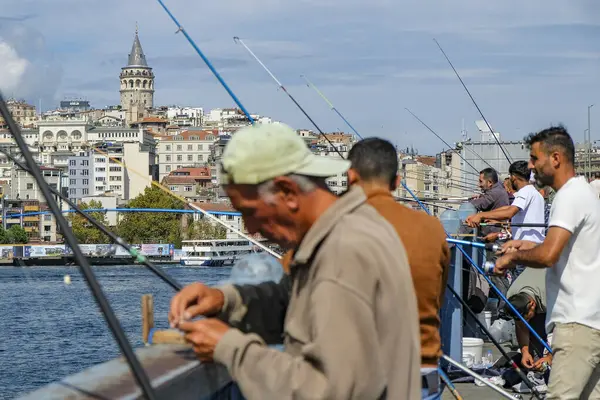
(486, 318)
(474, 347)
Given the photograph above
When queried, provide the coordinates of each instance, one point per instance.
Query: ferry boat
(215, 252)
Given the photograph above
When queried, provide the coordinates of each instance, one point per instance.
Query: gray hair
(306, 184)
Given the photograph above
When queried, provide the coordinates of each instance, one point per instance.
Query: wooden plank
(147, 316)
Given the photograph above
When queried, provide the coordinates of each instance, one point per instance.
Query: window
(190, 157)
(48, 217)
(427, 187)
(168, 168)
(200, 147)
(190, 147)
(72, 163)
(179, 158)
(168, 158)
(85, 163)
(168, 147)
(114, 178)
(100, 179)
(173, 188)
(30, 186)
(114, 169)
(178, 147)
(72, 181)
(100, 169)
(344, 183)
(200, 157)
(85, 172)
(188, 188)
(86, 182)
(47, 228)
(72, 172)
(85, 192)
(230, 218)
(71, 193)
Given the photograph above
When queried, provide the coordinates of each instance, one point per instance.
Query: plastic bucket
(474, 347)
(486, 318)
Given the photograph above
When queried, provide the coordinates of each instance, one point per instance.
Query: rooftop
(192, 135)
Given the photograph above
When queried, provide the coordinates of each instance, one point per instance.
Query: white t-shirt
(531, 205)
(596, 185)
(572, 284)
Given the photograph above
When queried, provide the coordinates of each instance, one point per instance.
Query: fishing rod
(212, 69)
(474, 102)
(443, 141)
(524, 377)
(518, 225)
(137, 255)
(181, 29)
(310, 84)
(498, 292)
(240, 41)
(84, 266)
(190, 204)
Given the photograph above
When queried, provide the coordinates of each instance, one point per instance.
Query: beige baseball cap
(261, 152)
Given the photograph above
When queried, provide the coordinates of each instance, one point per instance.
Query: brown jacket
(429, 257)
(351, 327)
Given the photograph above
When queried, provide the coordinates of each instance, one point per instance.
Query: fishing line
(474, 102)
(212, 69)
(137, 255)
(190, 204)
(85, 268)
(521, 374)
(238, 40)
(310, 84)
(443, 141)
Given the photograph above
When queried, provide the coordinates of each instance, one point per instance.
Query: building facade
(191, 148)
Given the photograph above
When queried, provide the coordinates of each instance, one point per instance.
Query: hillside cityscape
(111, 156)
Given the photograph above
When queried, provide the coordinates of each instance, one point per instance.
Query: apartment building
(191, 148)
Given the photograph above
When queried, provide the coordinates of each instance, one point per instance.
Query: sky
(527, 64)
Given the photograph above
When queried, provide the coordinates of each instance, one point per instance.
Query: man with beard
(571, 254)
(527, 207)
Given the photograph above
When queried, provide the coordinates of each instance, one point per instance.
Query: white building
(185, 116)
(191, 148)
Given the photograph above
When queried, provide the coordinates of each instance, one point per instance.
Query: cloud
(526, 63)
(27, 69)
(12, 68)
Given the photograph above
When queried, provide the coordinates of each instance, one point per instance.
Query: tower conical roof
(137, 58)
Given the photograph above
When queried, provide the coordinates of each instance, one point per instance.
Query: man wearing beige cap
(351, 327)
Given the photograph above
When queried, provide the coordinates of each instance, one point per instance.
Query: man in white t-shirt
(526, 208)
(596, 183)
(571, 252)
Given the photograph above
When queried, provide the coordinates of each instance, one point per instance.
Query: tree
(140, 227)
(16, 234)
(203, 230)
(84, 231)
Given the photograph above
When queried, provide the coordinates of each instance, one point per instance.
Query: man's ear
(288, 191)
(353, 177)
(397, 183)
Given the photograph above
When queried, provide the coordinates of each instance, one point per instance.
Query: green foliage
(203, 229)
(16, 234)
(84, 231)
(152, 227)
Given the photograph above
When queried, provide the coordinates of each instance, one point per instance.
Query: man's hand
(504, 263)
(193, 300)
(491, 237)
(204, 336)
(514, 245)
(526, 359)
(538, 364)
(473, 220)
